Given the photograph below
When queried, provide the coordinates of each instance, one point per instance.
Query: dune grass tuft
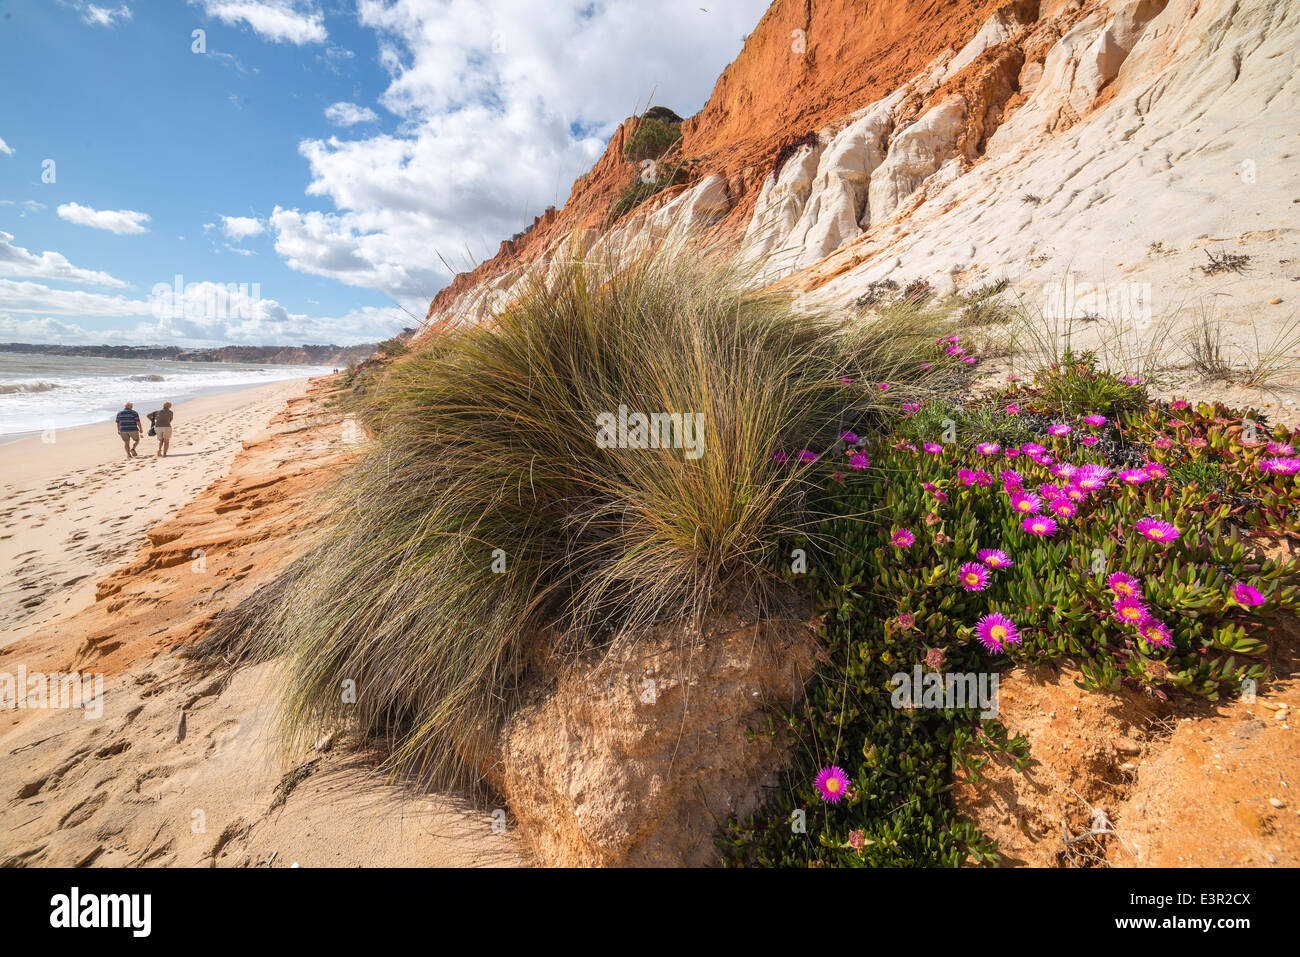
(485, 510)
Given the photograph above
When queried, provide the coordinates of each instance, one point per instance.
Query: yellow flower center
(999, 632)
(833, 785)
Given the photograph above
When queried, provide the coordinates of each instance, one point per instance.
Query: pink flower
(1013, 409)
(1125, 586)
(780, 456)
(911, 406)
(807, 456)
(1096, 421)
(1088, 440)
(1197, 443)
(883, 386)
(1156, 634)
(859, 461)
(1059, 429)
(1011, 453)
(966, 477)
(1075, 494)
(1247, 596)
(1133, 476)
(954, 350)
(973, 576)
(969, 360)
(1280, 466)
(1157, 530)
(933, 448)
(1155, 470)
(1026, 503)
(832, 784)
(1131, 610)
(1032, 448)
(1161, 442)
(1178, 404)
(1092, 477)
(849, 437)
(1063, 508)
(1039, 525)
(902, 538)
(1064, 470)
(906, 620)
(846, 380)
(987, 448)
(1278, 448)
(994, 558)
(1010, 479)
(996, 631)
(983, 478)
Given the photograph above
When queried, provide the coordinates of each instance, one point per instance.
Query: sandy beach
(73, 506)
(179, 764)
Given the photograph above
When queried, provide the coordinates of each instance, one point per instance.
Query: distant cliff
(304, 355)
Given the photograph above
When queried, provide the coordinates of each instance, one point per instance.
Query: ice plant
(1155, 470)
(1063, 507)
(1247, 596)
(1032, 448)
(1278, 448)
(994, 557)
(1125, 586)
(1013, 409)
(906, 620)
(902, 538)
(1058, 429)
(1089, 440)
(859, 461)
(849, 437)
(996, 631)
(807, 456)
(1133, 476)
(832, 784)
(1091, 477)
(1096, 421)
(973, 576)
(1039, 525)
(780, 456)
(1156, 634)
(987, 448)
(1157, 530)
(1131, 610)
(1280, 466)
(1026, 503)
(933, 448)
(1010, 479)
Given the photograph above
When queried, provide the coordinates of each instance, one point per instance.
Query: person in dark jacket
(128, 429)
(162, 427)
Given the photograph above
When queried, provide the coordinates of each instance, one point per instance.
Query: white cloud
(99, 16)
(502, 104)
(17, 261)
(204, 313)
(36, 297)
(6, 148)
(281, 21)
(123, 222)
(241, 227)
(236, 249)
(26, 206)
(349, 114)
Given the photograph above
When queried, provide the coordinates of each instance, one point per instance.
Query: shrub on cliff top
(490, 504)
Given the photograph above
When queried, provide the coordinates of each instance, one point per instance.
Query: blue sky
(325, 155)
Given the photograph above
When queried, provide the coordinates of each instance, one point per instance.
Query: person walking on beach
(128, 429)
(162, 426)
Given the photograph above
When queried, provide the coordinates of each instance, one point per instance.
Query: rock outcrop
(633, 755)
(1111, 142)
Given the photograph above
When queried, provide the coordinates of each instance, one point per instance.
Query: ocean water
(39, 392)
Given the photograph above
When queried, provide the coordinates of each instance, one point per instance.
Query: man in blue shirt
(128, 429)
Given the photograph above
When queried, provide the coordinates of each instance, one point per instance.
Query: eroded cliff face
(1098, 142)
